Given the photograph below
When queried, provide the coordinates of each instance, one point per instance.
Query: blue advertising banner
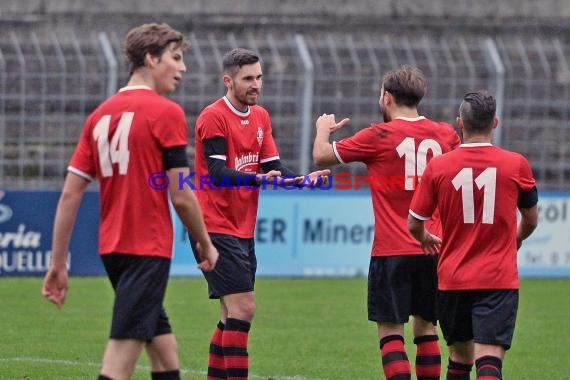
(546, 253)
(298, 233)
(305, 233)
(26, 222)
(330, 234)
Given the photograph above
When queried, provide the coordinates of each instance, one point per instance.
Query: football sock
(458, 371)
(216, 364)
(234, 345)
(166, 375)
(394, 359)
(489, 368)
(103, 377)
(428, 357)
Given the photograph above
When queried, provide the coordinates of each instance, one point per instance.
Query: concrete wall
(482, 9)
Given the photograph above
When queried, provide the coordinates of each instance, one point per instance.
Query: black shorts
(486, 316)
(400, 286)
(140, 284)
(236, 266)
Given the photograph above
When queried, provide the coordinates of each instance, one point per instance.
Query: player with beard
(402, 280)
(234, 145)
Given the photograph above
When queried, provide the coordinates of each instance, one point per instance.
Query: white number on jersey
(117, 152)
(416, 161)
(487, 180)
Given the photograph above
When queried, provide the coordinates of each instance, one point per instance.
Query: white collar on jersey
(235, 110)
(139, 87)
(474, 145)
(410, 118)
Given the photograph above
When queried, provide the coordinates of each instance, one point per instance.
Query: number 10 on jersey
(416, 161)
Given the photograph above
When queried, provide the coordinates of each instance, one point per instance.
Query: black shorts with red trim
(486, 316)
(400, 286)
(236, 267)
(139, 283)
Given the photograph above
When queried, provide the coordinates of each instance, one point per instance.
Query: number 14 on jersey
(117, 151)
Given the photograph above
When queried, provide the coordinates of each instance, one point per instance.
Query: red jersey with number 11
(476, 189)
(121, 145)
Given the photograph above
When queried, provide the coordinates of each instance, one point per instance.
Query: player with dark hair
(234, 145)
(477, 189)
(133, 134)
(402, 281)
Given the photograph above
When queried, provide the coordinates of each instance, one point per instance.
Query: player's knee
(247, 309)
(461, 352)
(422, 326)
(240, 306)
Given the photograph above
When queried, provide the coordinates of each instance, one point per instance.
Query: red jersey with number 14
(249, 143)
(476, 189)
(121, 145)
(395, 155)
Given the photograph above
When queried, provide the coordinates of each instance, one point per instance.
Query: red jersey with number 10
(476, 189)
(396, 154)
(249, 143)
(121, 145)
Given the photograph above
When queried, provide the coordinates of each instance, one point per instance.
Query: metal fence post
(42, 107)
(3, 125)
(22, 105)
(111, 62)
(307, 101)
(62, 102)
(496, 66)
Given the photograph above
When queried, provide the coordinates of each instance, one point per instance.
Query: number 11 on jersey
(487, 180)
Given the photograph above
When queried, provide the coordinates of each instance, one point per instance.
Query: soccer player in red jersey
(129, 137)
(402, 281)
(234, 145)
(477, 189)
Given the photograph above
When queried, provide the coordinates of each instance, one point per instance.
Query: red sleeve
(424, 200)
(362, 147)
(449, 135)
(455, 140)
(526, 180)
(208, 125)
(83, 159)
(269, 149)
(170, 128)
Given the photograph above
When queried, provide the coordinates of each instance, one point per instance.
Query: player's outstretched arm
(316, 179)
(56, 279)
(270, 176)
(323, 153)
(188, 209)
(319, 177)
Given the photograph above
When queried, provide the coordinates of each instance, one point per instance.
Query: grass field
(305, 329)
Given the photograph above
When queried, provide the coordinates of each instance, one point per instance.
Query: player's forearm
(416, 228)
(278, 165)
(221, 174)
(190, 213)
(187, 206)
(323, 153)
(65, 216)
(527, 224)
